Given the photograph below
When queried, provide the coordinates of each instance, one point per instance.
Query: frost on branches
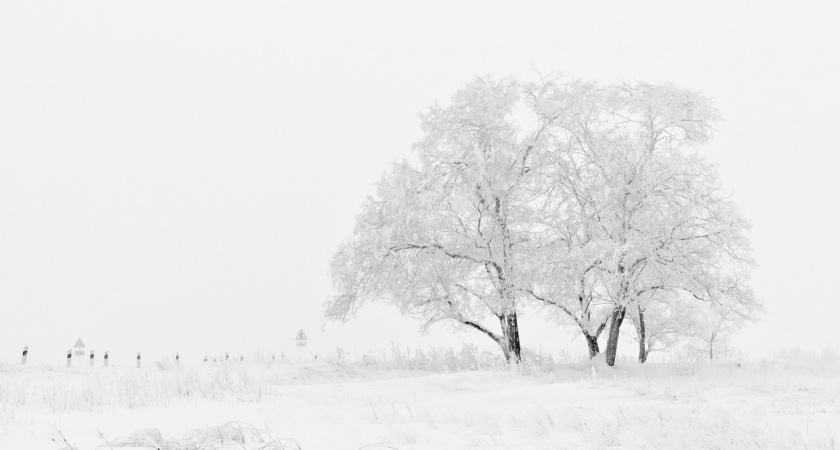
(588, 200)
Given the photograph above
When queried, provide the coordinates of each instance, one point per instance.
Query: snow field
(340, 405)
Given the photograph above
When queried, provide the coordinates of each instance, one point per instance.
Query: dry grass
(230, 435)
(61, 442)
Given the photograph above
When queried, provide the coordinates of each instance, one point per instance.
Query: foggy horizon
(177, 178)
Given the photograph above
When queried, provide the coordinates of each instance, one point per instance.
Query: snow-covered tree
(713, 330)
(444, 238)
(589, 200)
(634, 211)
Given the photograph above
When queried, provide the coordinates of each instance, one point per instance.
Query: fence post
(91, 358)
(25, 351)
(69, 355)
(138, 360)
(106, 358)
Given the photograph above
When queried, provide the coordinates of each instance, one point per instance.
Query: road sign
(300, 339)
(80, 347)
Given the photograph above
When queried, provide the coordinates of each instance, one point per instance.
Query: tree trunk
(510, 327)
(592, 343)
(592, 339)
(612, 341)
(711, 347)
(641, 330)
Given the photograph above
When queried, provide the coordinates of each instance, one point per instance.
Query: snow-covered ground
(324, 405)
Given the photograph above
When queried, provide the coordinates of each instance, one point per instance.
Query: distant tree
(443, 239)
(713, 331)
(665, 321)
(671, 319)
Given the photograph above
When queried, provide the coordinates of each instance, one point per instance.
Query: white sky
(176, 176)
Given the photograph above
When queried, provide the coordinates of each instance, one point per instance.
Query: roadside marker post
(25, 351)
(106, 358)
(91, 358)
(80, 350)
(138, 360)
(69, 354)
